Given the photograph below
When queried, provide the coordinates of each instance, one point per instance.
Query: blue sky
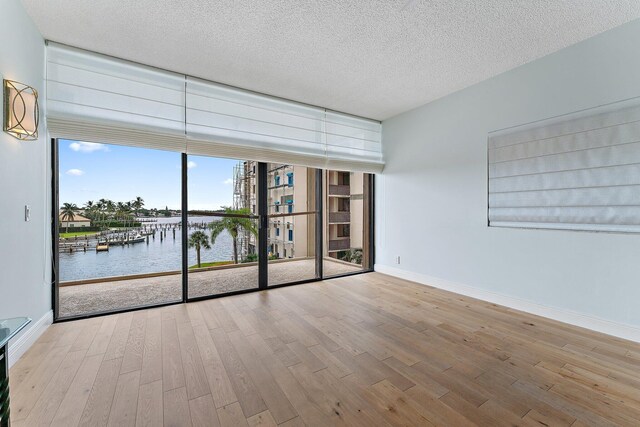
(95, 171)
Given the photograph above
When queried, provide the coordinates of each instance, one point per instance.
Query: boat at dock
(138, 238)
(127, 240)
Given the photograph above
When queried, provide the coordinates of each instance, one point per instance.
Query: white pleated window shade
(228, 122)
(352, 142)
(580, 172)
(96, 98)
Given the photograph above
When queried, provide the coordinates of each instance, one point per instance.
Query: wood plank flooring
(363, 350)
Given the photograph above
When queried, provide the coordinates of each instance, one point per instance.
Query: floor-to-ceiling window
(347, 222)
(137, 227)
(291, 200)
(119, 228)
(222, 226)
(92, 97)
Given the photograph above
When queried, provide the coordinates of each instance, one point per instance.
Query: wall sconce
(21, 112)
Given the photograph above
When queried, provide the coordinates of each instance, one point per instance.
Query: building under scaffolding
(244, 197)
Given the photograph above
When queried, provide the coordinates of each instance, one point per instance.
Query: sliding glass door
(137, 227)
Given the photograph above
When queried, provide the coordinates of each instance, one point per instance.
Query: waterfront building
(78, 221)
(290, 190)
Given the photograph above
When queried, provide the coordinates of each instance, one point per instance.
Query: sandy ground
(107, 296)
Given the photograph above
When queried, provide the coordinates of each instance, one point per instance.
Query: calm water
(141, 258)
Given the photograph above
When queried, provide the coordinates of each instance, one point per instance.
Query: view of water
(142, 258)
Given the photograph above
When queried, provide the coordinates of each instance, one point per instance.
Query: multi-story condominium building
(291, 190)
(344, 214)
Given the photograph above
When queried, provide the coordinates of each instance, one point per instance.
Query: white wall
(25, 267)
(432, 197)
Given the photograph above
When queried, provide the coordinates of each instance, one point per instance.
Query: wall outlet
(27, 213)
(398, 259)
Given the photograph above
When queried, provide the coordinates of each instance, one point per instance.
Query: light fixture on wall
(21, 112)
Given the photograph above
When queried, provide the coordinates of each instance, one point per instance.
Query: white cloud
(75, 172)
(228, 181)
(191, 164)
(87, 147)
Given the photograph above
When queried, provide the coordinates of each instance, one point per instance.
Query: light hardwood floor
(364, 350)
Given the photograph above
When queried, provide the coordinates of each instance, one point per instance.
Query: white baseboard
(18, 346)
(597, 324)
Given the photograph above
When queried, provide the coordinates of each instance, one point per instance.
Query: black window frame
(262, 216)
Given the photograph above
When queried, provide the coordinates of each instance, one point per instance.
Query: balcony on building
(339, 244)
(339, 217)
(339, 190)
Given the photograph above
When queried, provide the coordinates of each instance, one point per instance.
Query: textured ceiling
(370, 58)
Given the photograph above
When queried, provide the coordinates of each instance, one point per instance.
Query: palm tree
(101, 205)
(138, 203)
(234, 225)
(128, 208)
(89, 210)
(122, 213)
(119, 209)
(68, 213)
(199, 240)
(110, 209)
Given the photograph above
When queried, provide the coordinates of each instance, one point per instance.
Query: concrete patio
(118, 294)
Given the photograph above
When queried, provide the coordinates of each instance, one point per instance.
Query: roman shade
(580, 171)
(228, 122)
(353, 143)
(96, 98)
(92, 97)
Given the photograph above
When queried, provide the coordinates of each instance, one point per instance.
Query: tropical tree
(234, 225)
(89, 210)
(109, 206)
(123, 212)
(103, 211)
(128, 208)
(101, 205)
(138, 203)
(119, 211)
(199, 240)
(68, 213)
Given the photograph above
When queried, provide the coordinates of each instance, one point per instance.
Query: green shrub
(254, 258)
